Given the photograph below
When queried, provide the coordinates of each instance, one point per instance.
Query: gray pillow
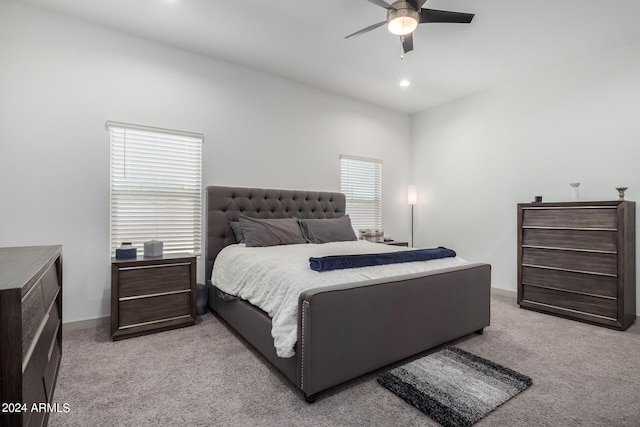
(271, 232)
(328, 230)
(237, 231)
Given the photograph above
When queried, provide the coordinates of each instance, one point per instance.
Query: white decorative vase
(575, 191)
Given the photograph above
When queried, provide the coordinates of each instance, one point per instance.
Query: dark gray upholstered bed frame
(345, 331)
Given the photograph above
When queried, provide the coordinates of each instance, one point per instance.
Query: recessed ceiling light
(404, 83)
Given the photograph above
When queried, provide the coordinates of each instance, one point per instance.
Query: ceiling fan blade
(366, 30)
(381, 3)
(407, 42)
(417, 4)
(432, 15)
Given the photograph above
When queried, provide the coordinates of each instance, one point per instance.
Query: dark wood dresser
(152, 294)
(578, 260)
(30, 332)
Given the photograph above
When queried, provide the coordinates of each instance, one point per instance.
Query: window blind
(156, 182)
(361, 182)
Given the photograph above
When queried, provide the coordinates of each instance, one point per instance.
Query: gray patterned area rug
(454, 387)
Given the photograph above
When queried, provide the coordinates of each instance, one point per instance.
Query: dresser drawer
(51, 372)
(598, 263)
(594, 217)
(33, 312)
(50, 285)
(34, 373)
(147, 280)
(596, 240)
(567, 300)
(570, 281)
(152, 309)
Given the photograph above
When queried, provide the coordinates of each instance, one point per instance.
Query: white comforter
(273, 278)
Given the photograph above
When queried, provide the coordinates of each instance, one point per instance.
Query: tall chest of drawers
(30, 332)
(577, 260)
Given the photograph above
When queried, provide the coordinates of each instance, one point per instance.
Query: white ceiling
(303, 40)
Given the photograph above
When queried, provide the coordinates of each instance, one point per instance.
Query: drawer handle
(53, 342)
(155, 321)
(570, 310)
(159, 294)
(552, 288)
(544, 208)
(556, 248)
(546, 267)
(142, 267)
(553, 227)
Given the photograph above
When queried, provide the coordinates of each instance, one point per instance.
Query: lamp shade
(412, 195)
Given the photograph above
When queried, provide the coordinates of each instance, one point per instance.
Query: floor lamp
(412, 199)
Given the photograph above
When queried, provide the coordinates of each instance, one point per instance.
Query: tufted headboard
(228, 203)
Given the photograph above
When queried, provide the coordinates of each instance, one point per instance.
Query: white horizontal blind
(156, 182)
(361, 182)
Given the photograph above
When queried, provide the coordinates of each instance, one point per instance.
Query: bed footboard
(349, 330)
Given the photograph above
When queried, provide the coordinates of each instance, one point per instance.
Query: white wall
(61, 80)
(476, 158)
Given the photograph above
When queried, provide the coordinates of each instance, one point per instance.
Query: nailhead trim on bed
(305, 305)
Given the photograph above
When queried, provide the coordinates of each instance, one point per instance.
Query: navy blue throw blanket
(339, 262)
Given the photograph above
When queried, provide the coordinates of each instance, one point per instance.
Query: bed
(349, 329)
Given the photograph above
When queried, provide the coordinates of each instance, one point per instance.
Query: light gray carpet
(454, 387)
(583, 375)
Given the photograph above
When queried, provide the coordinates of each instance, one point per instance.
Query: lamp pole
(411, 225)
(412, 199)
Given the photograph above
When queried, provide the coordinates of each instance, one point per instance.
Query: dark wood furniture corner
(30, 332)
(578, 260)
(152, 294)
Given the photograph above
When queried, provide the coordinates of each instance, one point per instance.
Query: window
(156, 182)
(362, 184)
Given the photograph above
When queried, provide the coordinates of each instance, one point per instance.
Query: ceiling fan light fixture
(402, 19)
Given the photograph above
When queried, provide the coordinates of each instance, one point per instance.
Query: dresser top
(580, 204)
(18, 265)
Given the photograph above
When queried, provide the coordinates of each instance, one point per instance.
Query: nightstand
(152, 294)
(395, 243)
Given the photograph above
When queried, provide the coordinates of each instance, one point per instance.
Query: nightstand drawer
(149, 280)
(134, 312)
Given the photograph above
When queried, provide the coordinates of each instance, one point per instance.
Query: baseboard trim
(86, 324)
(504, 292)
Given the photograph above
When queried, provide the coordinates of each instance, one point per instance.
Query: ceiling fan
(403, 18)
